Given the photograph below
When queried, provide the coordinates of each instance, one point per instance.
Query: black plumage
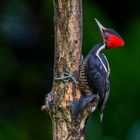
(94, 74)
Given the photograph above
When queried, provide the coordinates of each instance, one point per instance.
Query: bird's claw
(67, 77)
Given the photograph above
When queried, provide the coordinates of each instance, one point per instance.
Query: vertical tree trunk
(68, 109)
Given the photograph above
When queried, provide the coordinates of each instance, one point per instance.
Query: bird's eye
(106, 35)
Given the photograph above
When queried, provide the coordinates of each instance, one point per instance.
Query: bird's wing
(106, 95)
(96, 75)
(97, 80)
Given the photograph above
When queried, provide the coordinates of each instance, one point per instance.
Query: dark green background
(26, 65)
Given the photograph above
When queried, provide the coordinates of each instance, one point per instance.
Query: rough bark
(68, 109)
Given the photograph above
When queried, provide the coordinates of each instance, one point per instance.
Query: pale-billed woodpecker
(94, 73)
(95, 70)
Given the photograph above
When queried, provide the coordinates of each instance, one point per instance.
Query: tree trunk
(68, 109)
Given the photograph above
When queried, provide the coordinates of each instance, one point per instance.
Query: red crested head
(110, 37)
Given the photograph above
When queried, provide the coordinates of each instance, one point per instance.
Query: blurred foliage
(26, 66)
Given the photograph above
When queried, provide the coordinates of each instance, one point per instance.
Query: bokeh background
(26, 65)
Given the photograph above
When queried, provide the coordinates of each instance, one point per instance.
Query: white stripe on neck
(97, 54)
(100, 49)
(108, 66)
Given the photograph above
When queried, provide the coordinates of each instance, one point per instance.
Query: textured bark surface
(67, 109)
(68, 39)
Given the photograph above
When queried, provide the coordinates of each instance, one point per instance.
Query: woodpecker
(95, 69)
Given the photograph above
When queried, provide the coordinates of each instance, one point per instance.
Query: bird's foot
(67, 77)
